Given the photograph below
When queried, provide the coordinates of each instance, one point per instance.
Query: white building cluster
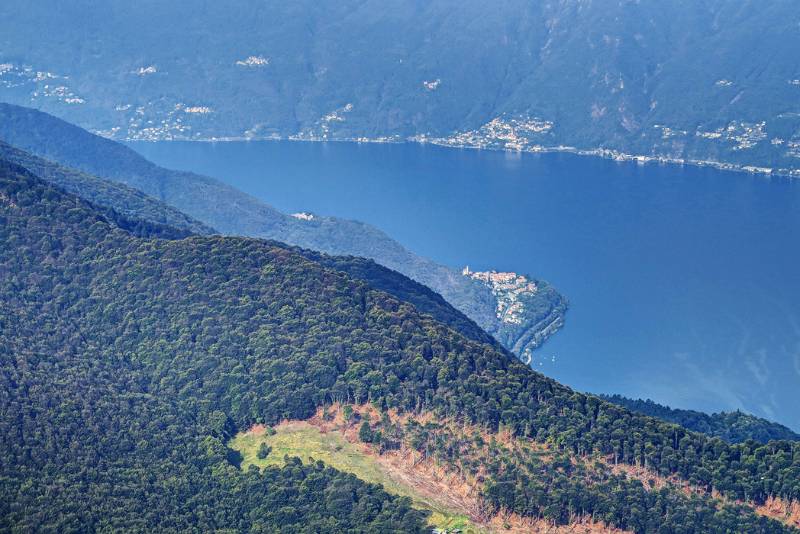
(508, 288)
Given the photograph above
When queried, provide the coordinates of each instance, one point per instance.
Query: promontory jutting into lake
(684, 274)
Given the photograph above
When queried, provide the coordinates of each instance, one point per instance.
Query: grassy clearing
(306, 442)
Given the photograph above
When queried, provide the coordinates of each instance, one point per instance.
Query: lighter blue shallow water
(683, 282)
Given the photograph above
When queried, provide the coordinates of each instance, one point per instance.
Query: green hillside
(123, 199)
(309, 444)
(734, 427)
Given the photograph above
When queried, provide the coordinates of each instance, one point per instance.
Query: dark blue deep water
(684, 283)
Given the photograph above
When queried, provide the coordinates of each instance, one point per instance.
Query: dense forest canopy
(734, 427)
(129, 360)
(121, 198)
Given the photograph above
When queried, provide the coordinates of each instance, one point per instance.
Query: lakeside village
(509, 289)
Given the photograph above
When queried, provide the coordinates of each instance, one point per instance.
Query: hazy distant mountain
(689, 79)
(231, 211)
(734, 427)
(123, 199)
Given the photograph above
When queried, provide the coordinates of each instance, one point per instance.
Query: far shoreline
(600, 153)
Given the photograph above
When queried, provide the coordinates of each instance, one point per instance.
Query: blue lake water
(683, 282)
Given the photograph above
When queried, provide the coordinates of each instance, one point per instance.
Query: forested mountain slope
(127, 362)
(92, 438)
(734, 427)
(131, 204)
(123, 199)
(680, 79)
(230, 211)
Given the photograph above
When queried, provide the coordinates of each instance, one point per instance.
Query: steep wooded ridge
(130, 208)
(127, 362)
(233, 212)
(708, 80)
(734, 427)
(123, 199)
